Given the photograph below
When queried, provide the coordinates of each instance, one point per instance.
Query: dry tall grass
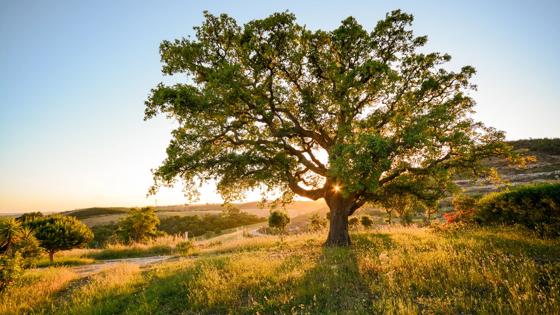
(390, 271)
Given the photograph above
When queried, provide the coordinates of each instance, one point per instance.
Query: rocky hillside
(546, 168)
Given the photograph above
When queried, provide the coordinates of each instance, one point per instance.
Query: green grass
(133, 251)
(64, 261)
(391, 271)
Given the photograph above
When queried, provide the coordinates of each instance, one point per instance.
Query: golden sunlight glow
(336, 188)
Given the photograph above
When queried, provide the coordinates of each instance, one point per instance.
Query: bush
(103, 235)
(10, 234)
(278, 220)
(366, 221)
(210, 234)
(19, 249)
(317, 222)
(536, 207)
(29, 216)
(185, 248)
(29, 247)
(17, 238)
(464, 210)
(11, 269)
(353, 222)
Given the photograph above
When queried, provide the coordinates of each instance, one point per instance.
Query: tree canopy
(347, 115)
(139, 225)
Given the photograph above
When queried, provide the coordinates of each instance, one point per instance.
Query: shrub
(366, 221)
(29, 247)
(103, 235)
(210, 234)
(353, 222)
(464, 210)
(317, 222)
(19, 249)
(536, 207)
(17, 238)
(185, 248)
(58, 232)
(11, 268)
(10, 235)
(29, 216)
(278, 220)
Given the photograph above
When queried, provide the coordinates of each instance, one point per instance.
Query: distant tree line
(143, 224)
(200, 225)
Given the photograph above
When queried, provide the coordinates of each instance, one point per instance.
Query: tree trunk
(340, 209)
(51, 256)
(338, 229)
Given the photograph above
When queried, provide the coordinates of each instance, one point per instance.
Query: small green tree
(140, 225)
(317, 222)
(278, 220)
(366, 221)
(58, 232)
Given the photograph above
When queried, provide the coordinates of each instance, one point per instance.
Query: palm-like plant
(10, 233)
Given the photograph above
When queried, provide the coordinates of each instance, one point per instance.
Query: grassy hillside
(96, 211)
(392, 271)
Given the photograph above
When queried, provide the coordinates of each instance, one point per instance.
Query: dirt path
(87, 270)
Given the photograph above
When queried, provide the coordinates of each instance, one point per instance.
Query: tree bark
(51, 256)
(340, 207)
(338, 229)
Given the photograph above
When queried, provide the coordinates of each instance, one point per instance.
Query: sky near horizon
(74, 76)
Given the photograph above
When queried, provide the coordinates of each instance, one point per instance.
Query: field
(391, 270)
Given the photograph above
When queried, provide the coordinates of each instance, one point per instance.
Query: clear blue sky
(74, 76)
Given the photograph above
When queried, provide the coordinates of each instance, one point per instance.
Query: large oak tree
(347, 115)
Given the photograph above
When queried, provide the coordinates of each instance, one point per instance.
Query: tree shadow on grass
(335, 284)
(307, 280)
